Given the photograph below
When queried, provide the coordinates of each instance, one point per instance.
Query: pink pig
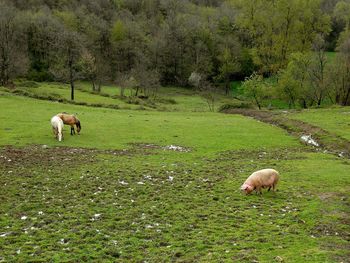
(261, 179)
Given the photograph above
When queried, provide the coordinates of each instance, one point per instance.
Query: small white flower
(40, 212)
(24, 217)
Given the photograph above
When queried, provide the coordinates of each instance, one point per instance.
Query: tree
(13, 58)
(254, 88)
(342, 13)
(206, 89)
(317, 70)
(146, 81)
(340, 74)
(275, 29)
(88, 67)
(69, 50)
(229, 64)
(42, 34)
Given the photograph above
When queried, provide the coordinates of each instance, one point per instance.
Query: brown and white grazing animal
(71, 120)
(261, 179)
(57, 127)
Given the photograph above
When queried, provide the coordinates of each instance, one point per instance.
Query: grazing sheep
(261, 179)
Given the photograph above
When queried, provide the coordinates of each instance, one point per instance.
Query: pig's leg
(258, 190)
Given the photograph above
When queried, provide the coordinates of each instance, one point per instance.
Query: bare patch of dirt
(327, 141)
(47, 156)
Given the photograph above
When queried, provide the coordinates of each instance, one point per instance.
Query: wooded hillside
(169, 42)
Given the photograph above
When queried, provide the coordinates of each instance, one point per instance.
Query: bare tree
(317, 70)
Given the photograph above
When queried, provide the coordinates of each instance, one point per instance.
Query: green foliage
(255, 89)
(275, 37)
(237, 105)
(104, 41)
(293, 85)
(118, 31)
(68, 18)
(342, 13)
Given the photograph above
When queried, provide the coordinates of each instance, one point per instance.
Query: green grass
(127, 202)
(182, 99)
(110, 129)
(335, 120)
(58, 91)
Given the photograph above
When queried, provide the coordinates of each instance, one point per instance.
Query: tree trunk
(346, 101)
(93, 85)
(72, 89)
(99, 86)
(257, 102)
(227, 87)
(71, 80)
(319, 101)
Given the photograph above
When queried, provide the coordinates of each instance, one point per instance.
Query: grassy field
(335, 120)
(119, 193)
(167, 99)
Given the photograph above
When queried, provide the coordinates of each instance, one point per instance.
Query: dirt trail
(327, 141)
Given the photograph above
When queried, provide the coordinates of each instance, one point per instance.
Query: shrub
(166, 101)
(238, 105)
(29, 84)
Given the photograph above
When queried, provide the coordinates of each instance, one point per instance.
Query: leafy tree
(229, 65)
(13, 58)
(276, 29)
(43, 33)
(255, 88)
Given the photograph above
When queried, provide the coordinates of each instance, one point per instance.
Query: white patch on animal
(308, 139)
(24, 217)
(123, 183)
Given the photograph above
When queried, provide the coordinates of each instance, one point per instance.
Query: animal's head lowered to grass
(247, 189)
